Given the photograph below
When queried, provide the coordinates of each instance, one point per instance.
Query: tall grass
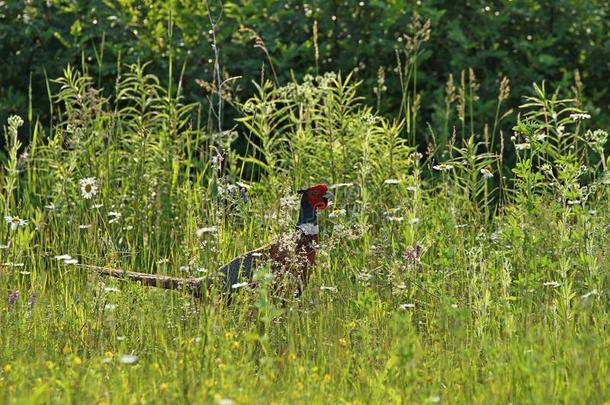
(432, 283)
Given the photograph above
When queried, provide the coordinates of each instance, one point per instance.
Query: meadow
(475, 271)
(465, 256)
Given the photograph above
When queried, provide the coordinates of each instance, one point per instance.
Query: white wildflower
(115, 216)
(227, 189)
(404, 307)
(443, 167)
(84, 226)
(414, 221)
(337, 213)
(333, 186)
(289, 201)
(391, 181)
(15, 222)
(63, 257)
(411, 188)
(88, 187)
(71, 261)
(111, 289)
(15, 121)
(110, 307)
(553, 284)
(581, 116)
(364, 276)
(129, 359)
(395, 219)
(207, 229)
(487, 174)
(239, 285)
(522, 146)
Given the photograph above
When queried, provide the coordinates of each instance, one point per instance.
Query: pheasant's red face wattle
(318, 196)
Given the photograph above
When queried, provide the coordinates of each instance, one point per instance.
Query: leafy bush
(564, 41)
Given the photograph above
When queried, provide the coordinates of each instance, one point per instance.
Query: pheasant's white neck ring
(308, 229)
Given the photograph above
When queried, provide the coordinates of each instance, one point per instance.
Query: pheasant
(239, 272)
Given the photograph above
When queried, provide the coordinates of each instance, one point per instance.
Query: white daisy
(487, 174)
(337, 213)
(391, 181)
(443, 167)
(15, 222)
(88, 187)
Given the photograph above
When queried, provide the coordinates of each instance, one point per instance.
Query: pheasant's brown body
(289, 267)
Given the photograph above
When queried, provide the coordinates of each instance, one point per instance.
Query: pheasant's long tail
(192, 285)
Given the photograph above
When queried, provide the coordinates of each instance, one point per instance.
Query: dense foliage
(563, 41)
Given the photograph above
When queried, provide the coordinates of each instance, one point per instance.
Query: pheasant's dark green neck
(307, 215)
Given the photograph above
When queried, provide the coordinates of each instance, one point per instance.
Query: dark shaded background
(528, 41)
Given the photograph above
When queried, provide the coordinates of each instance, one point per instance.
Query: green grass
(507, 303)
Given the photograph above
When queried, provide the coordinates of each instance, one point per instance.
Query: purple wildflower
(13, 297)
(32, 299)
(413, 254)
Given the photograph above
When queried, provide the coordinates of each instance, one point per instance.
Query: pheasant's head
(318, 196)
